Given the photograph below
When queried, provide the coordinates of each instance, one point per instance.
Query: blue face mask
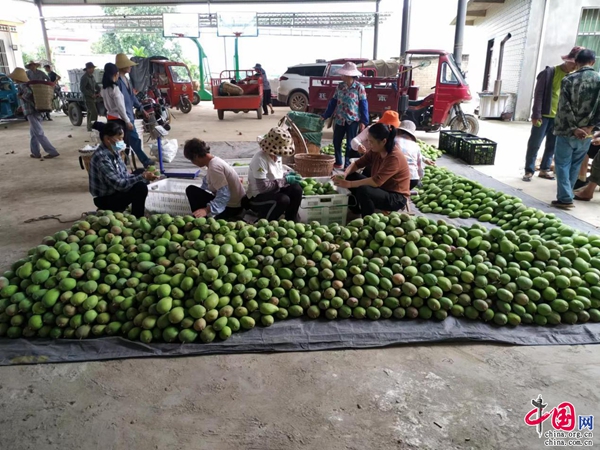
(119, 146)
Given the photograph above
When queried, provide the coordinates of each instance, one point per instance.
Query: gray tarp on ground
(301, 335)
(307, 335)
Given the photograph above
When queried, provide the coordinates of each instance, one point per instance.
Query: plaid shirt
(26, 99)
(108, 174)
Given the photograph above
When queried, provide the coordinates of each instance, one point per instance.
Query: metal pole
(204, 77)
(236, 58)
(461, 18)
(44, 32)
(376, 30)
(405, 28)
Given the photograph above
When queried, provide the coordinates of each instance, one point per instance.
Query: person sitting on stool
(272, 193)
(220, 195)
(388, 187)
(112, 187)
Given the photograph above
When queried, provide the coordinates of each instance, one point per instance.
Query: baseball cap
(572, 54)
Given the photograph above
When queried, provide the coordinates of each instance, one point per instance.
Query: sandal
(562, 205)
(545, 175)
(581, 199)
(527, 177)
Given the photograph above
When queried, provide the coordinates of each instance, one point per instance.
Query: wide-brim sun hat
(277, 142)
(122, 61)
(349, 70)
(390, 118)
(19, 75)
(408, 127)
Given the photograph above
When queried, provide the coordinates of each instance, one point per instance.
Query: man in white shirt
(221, 193)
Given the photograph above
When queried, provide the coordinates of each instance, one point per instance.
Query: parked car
(294, 84)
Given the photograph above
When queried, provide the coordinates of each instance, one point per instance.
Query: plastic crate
(478, 151)
(168, 196)
(325, 209)
(450, 141)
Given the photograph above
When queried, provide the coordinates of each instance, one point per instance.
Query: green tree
(36, 55)
(152, 44)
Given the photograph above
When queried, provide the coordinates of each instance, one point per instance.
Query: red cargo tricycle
(250, 93)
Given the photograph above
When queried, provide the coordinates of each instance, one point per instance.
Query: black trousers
(199, 198)
(369, 198)
(266, 101)
(119, 201)
(272, 205)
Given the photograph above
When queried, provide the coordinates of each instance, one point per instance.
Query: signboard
(180, 25)
(232, 23)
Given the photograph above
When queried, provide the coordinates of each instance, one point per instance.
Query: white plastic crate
(325, 209)
(168, 196)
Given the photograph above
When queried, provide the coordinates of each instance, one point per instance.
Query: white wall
(14, 57)
(509, 17)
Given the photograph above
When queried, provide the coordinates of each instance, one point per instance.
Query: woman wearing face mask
(112, 187)
(388, 187)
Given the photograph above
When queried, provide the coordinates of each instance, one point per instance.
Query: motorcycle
(154, 111)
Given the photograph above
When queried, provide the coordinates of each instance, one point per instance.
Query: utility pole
(405, 28)
(376, 30)
(461, 18)
(44, 32)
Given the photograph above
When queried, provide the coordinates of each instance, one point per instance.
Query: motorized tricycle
(9, 100)
(387, 91)
(442, 108)
(161, 78)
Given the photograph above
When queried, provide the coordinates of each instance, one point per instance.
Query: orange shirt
(389, 170)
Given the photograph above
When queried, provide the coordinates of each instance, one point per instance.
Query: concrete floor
(411, 397)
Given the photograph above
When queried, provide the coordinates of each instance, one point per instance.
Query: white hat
(349, 70)
(408, 127)
(277, 142)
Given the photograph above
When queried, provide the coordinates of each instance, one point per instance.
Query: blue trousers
(136, 145)
(349, 131)
(569, 154)
(546, 130)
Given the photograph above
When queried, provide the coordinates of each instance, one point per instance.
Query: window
(4, 68)
(588, 35)
(295, 71)
(180, 74)
(335, 68)
(315, 71)
(447, 75)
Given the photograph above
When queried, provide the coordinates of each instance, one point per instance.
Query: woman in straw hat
(407, 140)
(34, 117)
(350, 112)
(388, 187)
(271, 192)
(124, 64)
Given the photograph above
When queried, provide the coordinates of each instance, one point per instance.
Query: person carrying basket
(33, 116)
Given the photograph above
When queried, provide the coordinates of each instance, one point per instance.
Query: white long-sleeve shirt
(114, 102)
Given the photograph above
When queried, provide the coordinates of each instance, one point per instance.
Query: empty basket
(311, 165)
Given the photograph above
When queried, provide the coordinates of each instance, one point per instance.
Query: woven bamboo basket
(85, 156)
(310, 165)
(43, 94)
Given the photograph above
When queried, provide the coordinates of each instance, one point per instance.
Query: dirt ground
(451, 396)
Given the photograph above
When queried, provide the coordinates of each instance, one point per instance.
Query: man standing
(545, 104)
(267, 99)
(54, 77)
(34, 73)
(34, 118)
(124, 64)
(578, 113)
(89, 89)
